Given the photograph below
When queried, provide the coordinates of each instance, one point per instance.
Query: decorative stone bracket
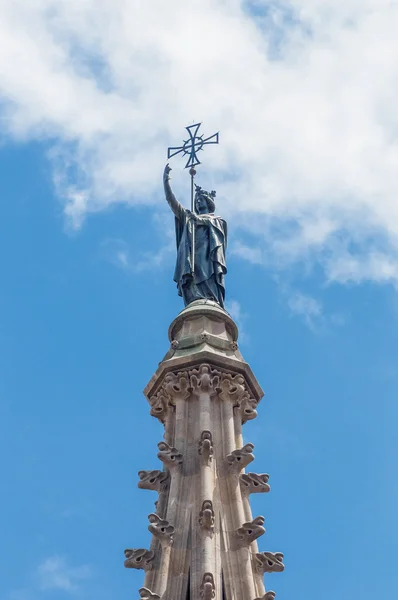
(238, 459)
(139, 558)
(269, 562)
(205, 380)
(208, 588)
(246, 407)
(251, 531)
(176, 386)
(206, 516)
(268, 596)
(233, 388)
(159, 406)
(146, 594)
(153, 480)
(169, 455)
(206, 449)
(160, 528)
(252, 483)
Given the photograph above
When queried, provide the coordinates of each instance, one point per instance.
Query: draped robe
(210, 247)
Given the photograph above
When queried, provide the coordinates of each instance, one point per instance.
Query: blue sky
(79, 340)
(91, 95)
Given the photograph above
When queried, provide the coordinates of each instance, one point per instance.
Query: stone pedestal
(204, 537)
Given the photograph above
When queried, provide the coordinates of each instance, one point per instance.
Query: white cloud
(303, 92)
(234, 308)
(56, 574)
(307, 308)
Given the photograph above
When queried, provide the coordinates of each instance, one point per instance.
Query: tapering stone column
(204, 537)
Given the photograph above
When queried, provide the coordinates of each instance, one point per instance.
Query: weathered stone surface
(139, 558)
(169, 456)
(203, 533)
(146, 594)
(159, 405)
(160, 528)
(206, 516)
(238, 459)
(153, 480)
(252, 483)
(251, 531)
(206, 449)
(208, 589)
(205, 380)
(269, 562)
(204, 333)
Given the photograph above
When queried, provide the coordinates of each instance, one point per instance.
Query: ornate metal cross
(192, 146)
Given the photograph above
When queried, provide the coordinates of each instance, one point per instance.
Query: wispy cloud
(252, 254)
(234, 308)
(305, 106)
(307, 308)
(55, 573)
(311, 311)
(118, 253)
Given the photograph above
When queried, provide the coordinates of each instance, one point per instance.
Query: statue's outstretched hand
(166, 173)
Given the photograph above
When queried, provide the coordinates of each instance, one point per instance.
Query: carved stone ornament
(268, 596)
(159, 405)
(139, 558)
(168, 455)
(233, 387)
(246, 407)
(269, 562)
(238, 459)
(160, 528)
(146, 594)
(153, 480)
(206, 516)
(251, 531)
(206, 449)
(251, 483)
(208, 588)
(176, 386)
(204, 380)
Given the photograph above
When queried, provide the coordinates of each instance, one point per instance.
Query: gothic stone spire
(204, 536)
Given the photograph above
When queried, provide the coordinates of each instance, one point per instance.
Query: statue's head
(204, 201)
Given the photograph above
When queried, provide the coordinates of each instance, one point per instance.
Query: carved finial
(153, 480)
(208, 588)
(146, 594)
(251, 483)
(269, 562)
(238, 459)
(160, 528)
(246, 406)
(176, 386)
(169, 455)
(251, 531)
(206, 516)
(159, 405)
(204, 380)
(232, 387)
(206, 449)
(139, 558)
(268, 596)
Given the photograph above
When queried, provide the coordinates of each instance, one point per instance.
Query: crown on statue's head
(210, 196)
(200, 191)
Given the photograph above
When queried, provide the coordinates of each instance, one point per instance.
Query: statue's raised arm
(207, 233)
(175, 206)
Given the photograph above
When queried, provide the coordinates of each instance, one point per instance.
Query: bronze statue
(209, 235)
